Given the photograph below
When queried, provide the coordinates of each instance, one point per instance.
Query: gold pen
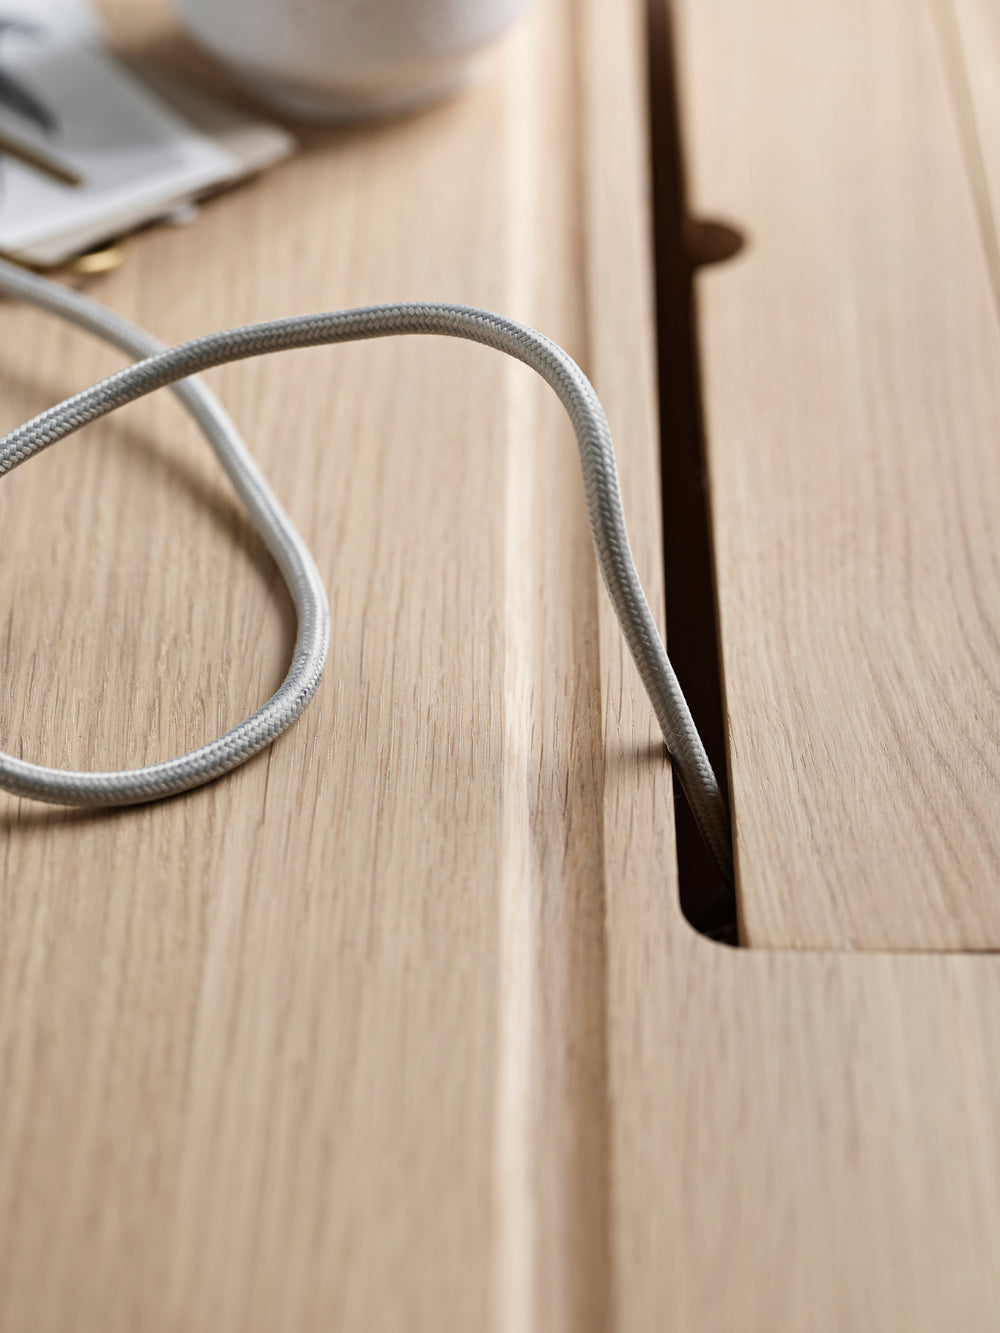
(39, 158)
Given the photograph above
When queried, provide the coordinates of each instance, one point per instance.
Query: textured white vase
(347, 59)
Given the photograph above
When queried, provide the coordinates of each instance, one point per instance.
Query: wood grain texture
(321, 1046)
(401, 1027)
(970, 41)
(798, 1140)
(852, 387)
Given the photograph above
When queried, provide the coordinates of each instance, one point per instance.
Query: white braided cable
(162, 367)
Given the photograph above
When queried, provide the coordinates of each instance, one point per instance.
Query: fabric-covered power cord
(160, 367)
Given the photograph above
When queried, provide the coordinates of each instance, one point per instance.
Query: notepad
(89, 151)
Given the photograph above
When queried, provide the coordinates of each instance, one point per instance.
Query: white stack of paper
(87, 151)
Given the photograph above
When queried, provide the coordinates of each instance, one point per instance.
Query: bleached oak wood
(798, 1140)
(852, 386)
(970, 40)
(401, 1027)
(321, 1046)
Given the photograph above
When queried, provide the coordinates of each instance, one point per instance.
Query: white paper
(64, 94)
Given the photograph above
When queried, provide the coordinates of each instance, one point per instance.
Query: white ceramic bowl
(347, 59)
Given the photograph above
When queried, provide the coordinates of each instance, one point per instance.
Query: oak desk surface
(852, 384)
(400, 1026)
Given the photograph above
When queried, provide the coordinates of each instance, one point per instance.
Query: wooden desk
(401, 1026)
(852, 382)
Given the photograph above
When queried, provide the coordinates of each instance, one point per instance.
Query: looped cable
(161, 367)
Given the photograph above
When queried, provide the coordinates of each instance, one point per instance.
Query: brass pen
(39, 158)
